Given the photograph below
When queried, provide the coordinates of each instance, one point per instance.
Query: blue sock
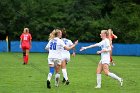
(52, 70)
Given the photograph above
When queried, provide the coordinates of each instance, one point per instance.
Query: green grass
(31, 78)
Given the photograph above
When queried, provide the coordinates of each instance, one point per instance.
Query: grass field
(31, 78)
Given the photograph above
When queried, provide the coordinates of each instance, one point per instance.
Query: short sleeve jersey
(68, 43)
(55, 47)
(25, 39)
(105, 44)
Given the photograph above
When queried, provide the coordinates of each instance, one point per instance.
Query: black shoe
(24, 63)
(63, 80)
(67, 82)
(48, 84)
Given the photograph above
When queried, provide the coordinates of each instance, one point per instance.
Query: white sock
(98, 79)
(49, 76)
(57, 76)
(114, 76)
(64, 71)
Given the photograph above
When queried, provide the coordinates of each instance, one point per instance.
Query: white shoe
(98, 86)
(121, 82)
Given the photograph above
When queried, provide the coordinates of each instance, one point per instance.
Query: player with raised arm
(111, 36)
(105, 58)
(55, 47)
(66, 56)
(25, 44)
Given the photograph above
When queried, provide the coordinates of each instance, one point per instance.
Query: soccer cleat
(63, 80)
(67, 82)
(57, 82)
(48, 84)
(121, 82)
(98, 86)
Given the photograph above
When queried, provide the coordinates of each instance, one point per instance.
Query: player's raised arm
(115, 36)
(69, 48)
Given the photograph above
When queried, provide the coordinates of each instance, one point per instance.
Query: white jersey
(67, 43)
(66, 53)
(55, 47)
(105, 56)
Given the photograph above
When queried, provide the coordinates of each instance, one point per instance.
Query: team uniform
(55, 47)
(105, 56)
(25, 45)
(66, 53)
(25, 41)
(105, 59)
(66, 58)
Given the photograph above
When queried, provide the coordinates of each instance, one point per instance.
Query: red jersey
(26, 38)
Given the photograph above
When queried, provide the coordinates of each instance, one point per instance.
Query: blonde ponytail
(54, 34)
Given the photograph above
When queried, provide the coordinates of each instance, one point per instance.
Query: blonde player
(105, 58)
(25, 44)
(55, 46)
(65, 57)
(111, 36)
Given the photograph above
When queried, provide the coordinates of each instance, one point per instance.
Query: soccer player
(105, 58)
(55, 47)
(25, 44)
(66, 56)
(111, 36)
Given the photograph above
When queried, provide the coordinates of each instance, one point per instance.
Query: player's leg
(27, 55)
(51, 72)
(64, 71)
(57, 75)
(107, 72)
(98, 73)
(111, 59)
(24, 56)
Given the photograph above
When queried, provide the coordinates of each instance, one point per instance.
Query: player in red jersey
(111, 37)
(25, 44)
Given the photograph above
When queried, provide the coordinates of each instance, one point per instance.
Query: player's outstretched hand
(82, 48)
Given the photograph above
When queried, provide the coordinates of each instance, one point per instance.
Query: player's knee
(105, 72)
(98, 71)
(63, 65)
(52, 70)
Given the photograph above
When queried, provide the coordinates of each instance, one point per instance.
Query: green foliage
(83, 19)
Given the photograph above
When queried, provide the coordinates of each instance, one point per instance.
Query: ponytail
(54, 34)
